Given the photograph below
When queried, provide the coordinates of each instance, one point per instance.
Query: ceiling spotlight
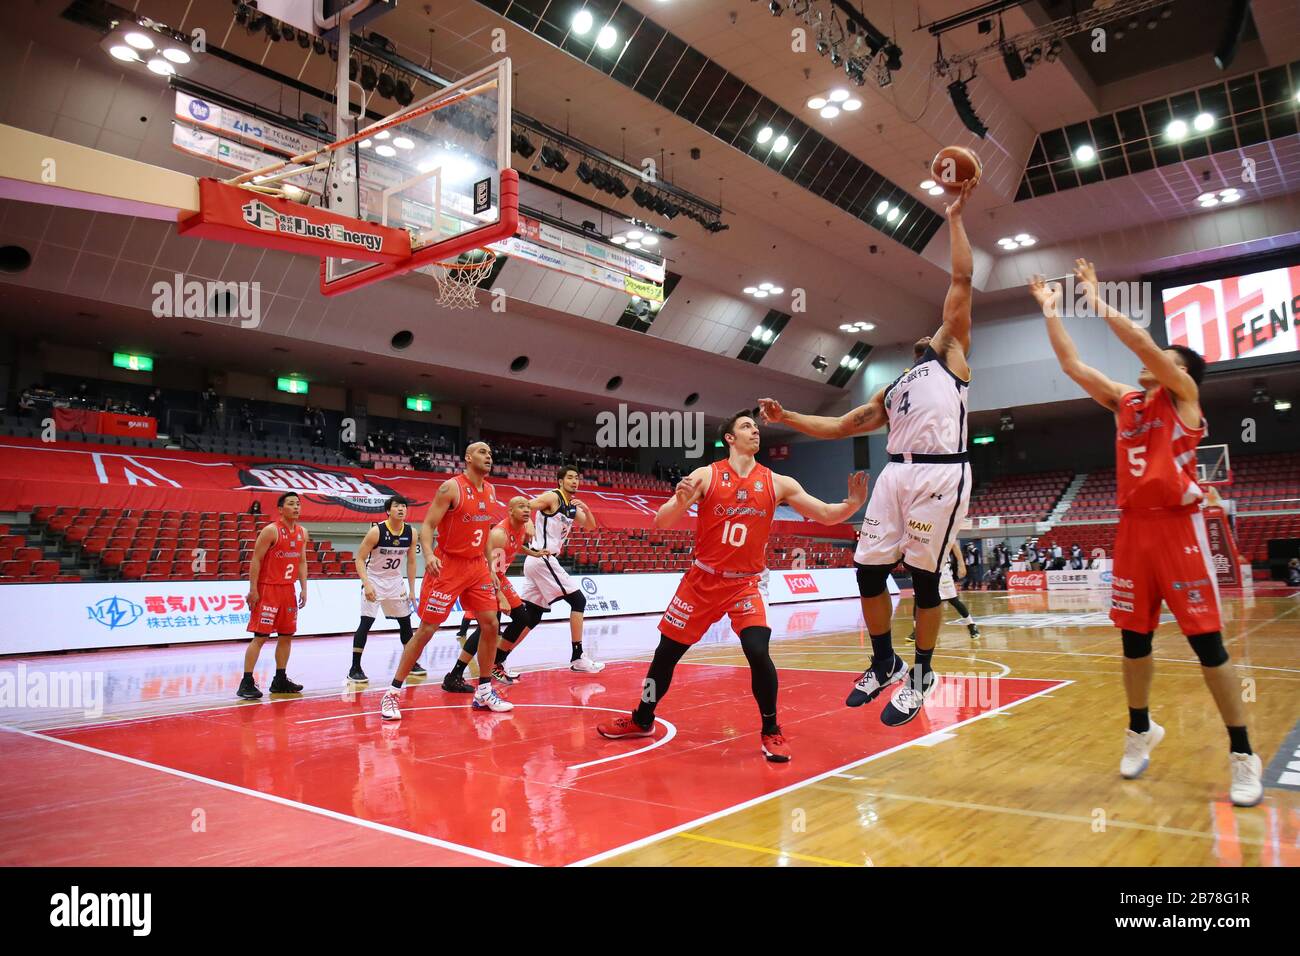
(1006, 242)
(124, 53)
(760, 294)
(765, 134)
(635, 233)
(1028, 241)
(139, 41)
(1209, 201)
(402, 142)
(757, 333)
(584, 173)
(819, 363)
(369, 77)
(830, 112)
(839, 95)
(366, 144)
(176, 56)
(385, 150)
(522, 145)
(1024, 237)
(650, 241)
(765, 286)
(867, 326)
(387, 86)
(892, 214)
(893, 58)
(847, 328)
(1203, 122)
(633, 244)
(319, 46)
(1176, 130)
(935, 190)
(750, 289)
(383, 134)
(1053, 51)
(776, 290)
(850, 105)
(768, 336)
(161, 67)
(403, 93)
(618, 240)
(552, 158)
(781, 143)
(607, 37)
(817, 102)
(882, 207)
(1231, 194)
(775, 7)
(1085, 153)
(928, 184)
(582, 22)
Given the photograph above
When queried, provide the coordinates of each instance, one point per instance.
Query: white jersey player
(386, 567)
(545, 580)
(921, 496)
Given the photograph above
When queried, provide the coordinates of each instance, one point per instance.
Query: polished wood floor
(1037, 784)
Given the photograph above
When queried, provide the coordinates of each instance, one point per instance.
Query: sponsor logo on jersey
(684, 606)
(801, 583)
(674, 620)
(742, 495)
(1121, 605)
(871, 522)
(745, 605)
(758, 486)
(726, 477)
(922, 526)
(1124, 583)
(1184, 585)
(318, 485)
(744, 510)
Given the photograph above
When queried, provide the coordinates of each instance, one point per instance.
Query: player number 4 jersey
(1155, 453)
(735, 520)
(926, 406)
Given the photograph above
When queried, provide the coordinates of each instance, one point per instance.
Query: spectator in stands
(221, 416)
(208, 408)
(153, 404)
(1293, 572)
(973, 569)
(1058, 557)
(255, 508)
(27, 404)
(1030, 549)
(248, 423)
(1076, 557)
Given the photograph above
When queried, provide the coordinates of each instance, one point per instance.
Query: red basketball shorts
(703, 598)
(276, 611)
(1164, 556)
(465, 578)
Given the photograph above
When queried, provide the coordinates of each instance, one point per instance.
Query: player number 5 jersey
(735, 520)
(1155, 453)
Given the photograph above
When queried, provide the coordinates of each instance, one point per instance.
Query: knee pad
(871, 578)
(925, 587)
(404, 628)
(1209, 648)
(1136, 645)
(577, 601)
(532, 614)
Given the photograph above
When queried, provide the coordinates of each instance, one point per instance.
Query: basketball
(953, 165)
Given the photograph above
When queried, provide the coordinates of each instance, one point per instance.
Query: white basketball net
(458, 281)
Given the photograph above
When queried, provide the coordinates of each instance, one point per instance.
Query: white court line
(1006, 671)
(275, 798)
(671, 727)
(700, 821)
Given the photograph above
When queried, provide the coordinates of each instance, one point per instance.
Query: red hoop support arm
(438, 252)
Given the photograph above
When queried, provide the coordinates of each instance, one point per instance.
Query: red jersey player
(737, 499)
(507, 539)
(1161, 550)
(279, 559)
(462, 512)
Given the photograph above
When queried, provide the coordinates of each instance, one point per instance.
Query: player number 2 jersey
(464, 528)
(926, 406)
(1155, 453)
(282, 560)
(735, 519)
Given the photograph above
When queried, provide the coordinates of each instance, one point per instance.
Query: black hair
(395, 500)
(918, 349)
(559, 475)
(1193, 361)
(728, 426)
(279, 502)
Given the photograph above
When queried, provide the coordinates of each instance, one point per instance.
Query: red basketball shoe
(622, 727)
(775, 749)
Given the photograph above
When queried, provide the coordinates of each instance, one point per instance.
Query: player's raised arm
(446, 498)
(689, 490)
(1138, 341)
(863, 419)
(586, 519)
(546, 501)
(368, 544)
(789, 490)
(1104, 391)
(956, 305)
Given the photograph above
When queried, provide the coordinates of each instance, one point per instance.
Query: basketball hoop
(458, 281)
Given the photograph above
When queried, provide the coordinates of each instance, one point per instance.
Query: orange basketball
(953, 165)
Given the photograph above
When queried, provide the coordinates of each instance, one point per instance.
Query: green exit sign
(419, 404)
(294, 386)
(982, 440)
(136, 363)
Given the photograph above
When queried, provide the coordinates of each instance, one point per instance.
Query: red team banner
(1236, 317)
(104, 423)
(69, 475)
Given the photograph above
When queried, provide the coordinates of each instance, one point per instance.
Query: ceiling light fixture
(1085, 153)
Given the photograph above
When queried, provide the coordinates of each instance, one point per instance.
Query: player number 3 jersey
(735, 519)
(464, 528)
